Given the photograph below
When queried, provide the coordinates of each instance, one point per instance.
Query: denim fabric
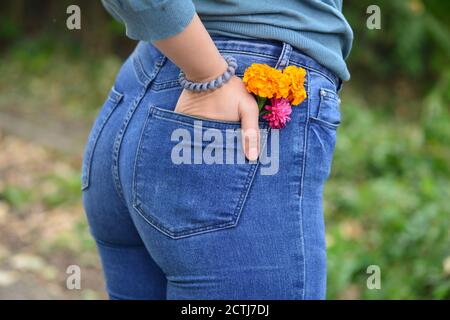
(166, 230)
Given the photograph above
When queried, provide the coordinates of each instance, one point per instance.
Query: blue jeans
(169, 230)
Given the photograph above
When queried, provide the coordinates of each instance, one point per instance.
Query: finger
(249, 114)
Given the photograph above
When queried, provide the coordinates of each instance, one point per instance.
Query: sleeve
(151, 20)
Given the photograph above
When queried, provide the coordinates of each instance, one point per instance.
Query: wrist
(209, 71)
(209, 83)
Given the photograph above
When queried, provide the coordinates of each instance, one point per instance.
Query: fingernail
(253, 154)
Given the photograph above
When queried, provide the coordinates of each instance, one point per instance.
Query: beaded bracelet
(213, 84)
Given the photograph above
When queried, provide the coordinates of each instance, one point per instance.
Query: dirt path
(44, 129)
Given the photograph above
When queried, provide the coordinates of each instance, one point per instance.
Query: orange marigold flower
(267, 82)
(262, 80)
(283, 84)
(297, 79)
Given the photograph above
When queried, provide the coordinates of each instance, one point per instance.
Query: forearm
(176, 30)
(194, 52)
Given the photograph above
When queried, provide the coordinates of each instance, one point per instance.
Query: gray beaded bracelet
(213, 84)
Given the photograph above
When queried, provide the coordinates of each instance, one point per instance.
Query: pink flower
(279, 112)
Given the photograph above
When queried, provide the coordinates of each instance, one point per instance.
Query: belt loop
(143, 77)
(285, 55)
(145, 74)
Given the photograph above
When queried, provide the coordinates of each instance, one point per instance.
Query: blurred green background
(387, 201)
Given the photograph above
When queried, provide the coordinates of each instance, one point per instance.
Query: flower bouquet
(276, 91)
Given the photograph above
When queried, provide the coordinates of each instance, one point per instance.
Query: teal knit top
(316, 27)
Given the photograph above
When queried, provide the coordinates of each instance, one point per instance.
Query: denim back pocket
(328, 113)
(177, 188)
(113, 100)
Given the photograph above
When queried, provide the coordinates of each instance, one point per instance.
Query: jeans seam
(118, 141)
(118, 144)
(87, 170)
(324, 123)
(142, 76)
(210, 123)
(114, 246)
(249, 53)
(283, 61)
(303, 170)
(284, 57)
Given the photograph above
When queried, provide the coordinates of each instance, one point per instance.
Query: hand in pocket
(231, 102)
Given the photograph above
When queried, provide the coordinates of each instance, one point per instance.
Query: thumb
(249, 114)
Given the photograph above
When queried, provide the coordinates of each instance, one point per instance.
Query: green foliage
(63, 189)
(414, 35)
(15, 196)
(387, 204)
(51, 73)
(9, 29)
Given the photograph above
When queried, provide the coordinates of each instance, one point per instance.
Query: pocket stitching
(333, 94)
(191, 125)
(206, 123)
(115, 96)
(326, 94)
(323, 123)
(165, 114)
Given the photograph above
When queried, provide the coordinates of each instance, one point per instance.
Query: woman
(168, 229)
